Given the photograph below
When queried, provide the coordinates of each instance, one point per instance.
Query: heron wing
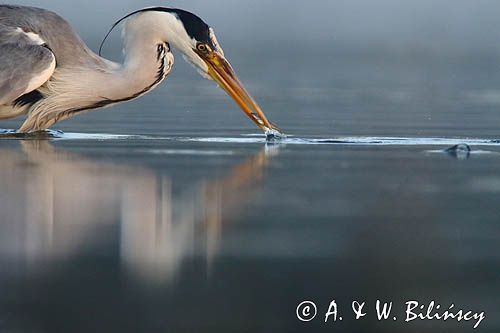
(25, 63)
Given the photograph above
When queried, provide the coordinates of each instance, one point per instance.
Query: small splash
(461, 151)
(273, 135)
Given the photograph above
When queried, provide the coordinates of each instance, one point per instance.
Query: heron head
(198, 44)
(200, 47)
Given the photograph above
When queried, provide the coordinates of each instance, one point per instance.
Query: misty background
(443, 26)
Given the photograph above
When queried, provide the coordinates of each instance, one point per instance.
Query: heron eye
(201, 47)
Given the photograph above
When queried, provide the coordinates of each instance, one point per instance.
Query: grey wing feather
(64, 42)
(24, 65)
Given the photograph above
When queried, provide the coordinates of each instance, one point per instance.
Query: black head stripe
(195, 26)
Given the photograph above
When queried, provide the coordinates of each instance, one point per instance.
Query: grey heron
(49, 74)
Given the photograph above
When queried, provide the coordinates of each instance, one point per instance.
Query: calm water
(199, 226)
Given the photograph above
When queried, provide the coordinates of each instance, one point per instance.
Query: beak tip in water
(223, 74)
(274, 134)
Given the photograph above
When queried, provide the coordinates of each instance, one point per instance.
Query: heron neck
(147, 62)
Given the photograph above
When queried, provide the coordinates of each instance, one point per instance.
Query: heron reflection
(69, 202)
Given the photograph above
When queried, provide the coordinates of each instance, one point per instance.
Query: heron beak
(221, 72)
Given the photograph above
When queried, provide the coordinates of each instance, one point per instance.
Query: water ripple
(257, 138)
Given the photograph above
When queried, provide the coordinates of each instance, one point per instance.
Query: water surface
(170, 214)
